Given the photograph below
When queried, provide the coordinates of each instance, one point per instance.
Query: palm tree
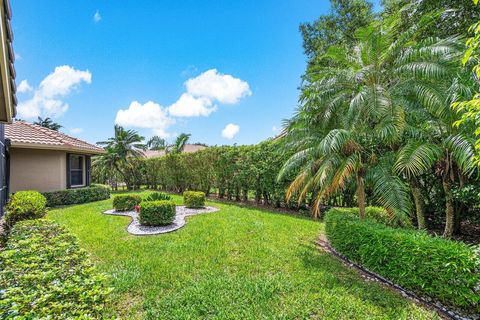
(121, 148)
(179, 144)
(48, 123)
(156, 143)
(353, 115)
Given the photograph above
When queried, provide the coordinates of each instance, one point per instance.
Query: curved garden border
(181, 213)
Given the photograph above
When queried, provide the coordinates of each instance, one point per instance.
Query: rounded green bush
(442, 269)
(157, 213)
(194, 199)
(126, 202)
(25, 205)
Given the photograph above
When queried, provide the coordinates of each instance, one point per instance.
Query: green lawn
(238, 263)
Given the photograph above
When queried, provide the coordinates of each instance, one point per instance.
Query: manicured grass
(238, 263)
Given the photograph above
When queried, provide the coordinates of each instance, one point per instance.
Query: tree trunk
(419, 204)
(361, 196)
(449, 210)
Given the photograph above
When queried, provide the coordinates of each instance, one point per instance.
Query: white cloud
(230, 131)
(190, 106)
(76, 130)
(149, 115)
(18, 56)
(216, 86)
(204, 90)
(46, 98)
(24, 87)
(97, 17)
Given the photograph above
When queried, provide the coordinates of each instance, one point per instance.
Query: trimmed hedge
(380, 215)
(442, 269)
(157, 196)
(157, 213)
(25, 205)
(77, 196)
(45, 275)
(194, 199)
(126, 202)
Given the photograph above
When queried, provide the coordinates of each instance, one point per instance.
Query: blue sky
(200, 67)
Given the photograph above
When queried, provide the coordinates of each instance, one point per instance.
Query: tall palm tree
(123, 146)
(353, 114)
(179, 144)
(156, 143)
(48, 123)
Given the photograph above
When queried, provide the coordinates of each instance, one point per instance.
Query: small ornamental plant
(194, 199)
(137, 208)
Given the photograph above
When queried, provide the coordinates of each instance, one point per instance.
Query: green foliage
(157, 196)
(443, 269)
(45, 275)
(194, 199)
(77, 196)
(25, 205)
(157, 213)
(379, 215)
(219, 263)
(48, 123)
(126, 202)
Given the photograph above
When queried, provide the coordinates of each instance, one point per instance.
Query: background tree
(48, 123)
(156, 143)
(179, 144)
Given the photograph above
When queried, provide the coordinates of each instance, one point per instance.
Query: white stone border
(181, 213)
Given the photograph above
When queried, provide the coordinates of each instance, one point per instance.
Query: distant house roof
(8, 99)
(26, 135)
(189, 148)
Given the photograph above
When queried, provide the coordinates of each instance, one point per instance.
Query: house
(8, 100)
(46, 160)
(188, 148)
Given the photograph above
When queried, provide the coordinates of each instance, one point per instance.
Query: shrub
(126, 202)
(194, 199)
(157, 196)
(45, 275)
(380, 215)
(157, 213)
(77, 196)
(442, 269)
(24, 205)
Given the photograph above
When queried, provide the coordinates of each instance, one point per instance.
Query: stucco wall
(41, 170)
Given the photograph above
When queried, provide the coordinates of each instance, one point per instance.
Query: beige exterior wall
(42, 170)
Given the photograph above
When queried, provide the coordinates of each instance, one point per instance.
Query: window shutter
(88, 165)
(68, 171)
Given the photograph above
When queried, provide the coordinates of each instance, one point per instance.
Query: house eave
(40, 146)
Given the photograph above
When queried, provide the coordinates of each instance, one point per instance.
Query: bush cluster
(24, 205)
(45, 275)
(194, 199)
(126, 202)
(156, 196)
(442, 269)
(157, 213)
(77, 196)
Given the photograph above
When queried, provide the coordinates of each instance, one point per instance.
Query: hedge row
(442, 269)
(45, 275)
(77, 196)
(25, 205)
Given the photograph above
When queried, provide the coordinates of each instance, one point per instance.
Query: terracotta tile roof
(189, 148)
(27, 135)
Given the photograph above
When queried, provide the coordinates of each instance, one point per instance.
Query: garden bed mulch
(182, 212)
(446, 313)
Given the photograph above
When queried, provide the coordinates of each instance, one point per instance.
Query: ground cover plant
(442, 269)
(45, 275)
(238, 263)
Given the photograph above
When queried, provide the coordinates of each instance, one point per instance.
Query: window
(77, 169)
